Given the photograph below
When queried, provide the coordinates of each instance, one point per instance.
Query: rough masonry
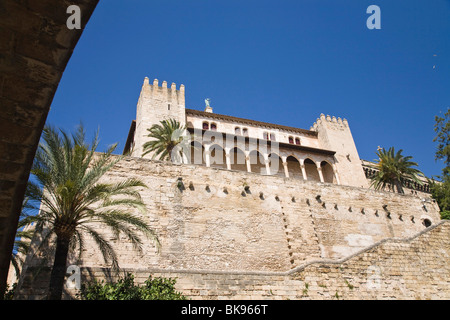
(252, 234)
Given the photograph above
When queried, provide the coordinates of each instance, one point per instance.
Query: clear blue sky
(282, 62)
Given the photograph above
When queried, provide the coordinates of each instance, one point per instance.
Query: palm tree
(24, 235)
(167, 136)
(393, 168)
(67, 171)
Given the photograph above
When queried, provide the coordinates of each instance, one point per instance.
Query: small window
(426, 223)
(266, 135)
(205, 126)
(168, 106)
(272, 136)
(291, 140)
(213, 127)
(245, 132)
(237, 131)
(297, 141)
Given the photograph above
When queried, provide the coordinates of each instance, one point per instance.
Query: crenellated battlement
(331, 119)
(157, 103)
(334, 134)
(155, 85)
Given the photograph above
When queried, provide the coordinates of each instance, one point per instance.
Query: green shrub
(125, 289)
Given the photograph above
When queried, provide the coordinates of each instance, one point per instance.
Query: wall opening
(217, 157)
(257, 162)
(311, 170)
(197, 155)
(294, 168)
(237, 159)
(426, 223)
(327, 172)
(276, 165)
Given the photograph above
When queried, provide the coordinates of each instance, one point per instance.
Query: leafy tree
(125, 289)
(441, 193)
(441, 190)
(393, 169)
(23, 238)
(166, 136)
(67, 171)
(442, 128)
(21, 245)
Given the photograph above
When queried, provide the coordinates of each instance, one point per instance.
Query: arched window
(245, 132)
(297, 141)
(237, 131)
(197, 153)
(311, 170)
(213, 126)
(276, 165)
(294, 168)
(217, 157)
(257, 162)
(327, 172)
(291, 139)
(272, 136)
(205, 125)
(237, 159)
(266, 135)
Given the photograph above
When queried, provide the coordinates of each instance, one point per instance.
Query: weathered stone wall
(415, 268)
(230, 221)
(411, 268)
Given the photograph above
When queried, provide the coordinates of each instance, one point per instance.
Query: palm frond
(166, 136)
(108, 253)
(393, 168)
(67, 183)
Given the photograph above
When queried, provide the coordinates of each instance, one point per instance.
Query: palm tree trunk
(399, 186)
(59, 269)
(169, 153)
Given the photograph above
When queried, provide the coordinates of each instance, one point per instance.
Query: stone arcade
(280, 212)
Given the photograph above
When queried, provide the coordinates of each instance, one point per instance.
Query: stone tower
(154, 105)
(334, 134)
